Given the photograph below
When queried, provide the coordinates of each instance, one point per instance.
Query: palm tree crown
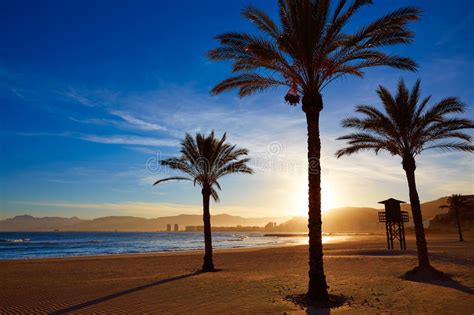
(408, 126)
(456, 203)
(205, 159)
(310, 49)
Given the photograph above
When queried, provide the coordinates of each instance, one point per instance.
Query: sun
(301, 199)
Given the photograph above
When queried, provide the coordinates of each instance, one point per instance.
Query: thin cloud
(114, 139)
(94, 121)
(142, 150)
(133, 140)
(79, 98)
(90, 98)
(138, 123)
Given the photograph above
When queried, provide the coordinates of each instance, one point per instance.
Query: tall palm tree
(309, 49)
(456, 204)
(406, 128)
(204, 160)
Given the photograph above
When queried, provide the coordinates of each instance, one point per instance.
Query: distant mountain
(429, 209)
(126, 223)
(359, 220)
(338, 220)
(352, 219)
(346, 219)
(29, 223)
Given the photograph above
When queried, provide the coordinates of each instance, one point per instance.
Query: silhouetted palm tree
(306, 52)
(406, 128)
(204, 160)
(456, 204)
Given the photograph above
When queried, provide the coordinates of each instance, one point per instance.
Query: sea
(27, 245)
(23, 245)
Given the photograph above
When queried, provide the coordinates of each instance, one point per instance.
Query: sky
(94, 93)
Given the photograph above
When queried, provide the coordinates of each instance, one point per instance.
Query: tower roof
(391, 200)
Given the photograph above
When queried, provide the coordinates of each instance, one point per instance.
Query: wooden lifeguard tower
(394, 220)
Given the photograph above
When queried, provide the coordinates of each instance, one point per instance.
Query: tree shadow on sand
(301, 300)
(443, 281)
(121, 293)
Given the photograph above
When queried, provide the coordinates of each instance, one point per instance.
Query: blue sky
(92, 93)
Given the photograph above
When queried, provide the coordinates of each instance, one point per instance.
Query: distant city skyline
(93, 94)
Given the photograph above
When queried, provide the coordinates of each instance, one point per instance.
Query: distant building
(238, 228)
(168, 228)
(176, 228)
(190, 228)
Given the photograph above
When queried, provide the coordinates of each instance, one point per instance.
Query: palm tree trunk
(208, 264)
(423, 260)
(317, 287)
(458, 219)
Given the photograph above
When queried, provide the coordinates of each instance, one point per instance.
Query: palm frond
(448, 105)
(247, 83)
(453, 146)
(170, 178)
(262, 20)
(387, 30)
(352, 149)
(180, 165)
(234, 168)
(215, 195)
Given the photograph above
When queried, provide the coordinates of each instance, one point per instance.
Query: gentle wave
(55, 243)
(20, 240)
(23, 245)
(236, 239)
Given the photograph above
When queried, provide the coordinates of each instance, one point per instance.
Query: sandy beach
(249, 281)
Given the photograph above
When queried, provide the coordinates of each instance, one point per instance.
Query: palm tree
(306, 52)
(456, 204)
(204, 160)
(406, 128)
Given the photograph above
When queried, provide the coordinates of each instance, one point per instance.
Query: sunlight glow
(301, 202)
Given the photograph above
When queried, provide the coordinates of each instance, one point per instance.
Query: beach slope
(250, 281)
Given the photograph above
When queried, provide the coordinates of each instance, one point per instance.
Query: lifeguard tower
(394, 220)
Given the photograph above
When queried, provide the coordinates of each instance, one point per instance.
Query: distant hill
(429, 209)
(126, 223)
(346, 219)
(338, 220)
(446, 222)
(352, 219)
(360, 219)
(29, 223)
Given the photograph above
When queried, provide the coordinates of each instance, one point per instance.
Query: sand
(250, 281)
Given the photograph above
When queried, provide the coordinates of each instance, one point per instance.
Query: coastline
(250, 280)
(271, 241)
